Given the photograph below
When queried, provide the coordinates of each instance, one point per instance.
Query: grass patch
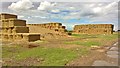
(93, 40)
(52, 56)
(84, 36)
(10, 51)
(80, 35)
(85, 43)
(108, 37)
(100, 36)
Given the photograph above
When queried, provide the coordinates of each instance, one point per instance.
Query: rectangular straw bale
(21, 29)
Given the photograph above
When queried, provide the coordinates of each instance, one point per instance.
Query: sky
(67, 13)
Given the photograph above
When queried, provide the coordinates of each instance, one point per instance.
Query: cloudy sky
(67, 13)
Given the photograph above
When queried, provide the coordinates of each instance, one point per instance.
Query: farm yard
(71, 51)
(57, 33)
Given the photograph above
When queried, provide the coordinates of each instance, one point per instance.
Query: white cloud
(91, 12)
(21, 16)
(39, 17)
(45, 5)
(28, 17)
(97, 9)
(66, 0)
(74, 13)
(91, 5)
(71, 8)
(94, 12)
(55, 10)
(21, 5)
(111, 5)
(100, 4)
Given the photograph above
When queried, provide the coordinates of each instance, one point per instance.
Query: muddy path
(99, 55)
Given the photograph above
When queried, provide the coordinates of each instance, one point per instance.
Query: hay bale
(17, 22)
(13, 22)
(10, 37)
(5, 23)
(19, 37)
(33, 37)
(26, 37)
(14, 36)
(21, 29)
(13, 30)
(7, 16)
(9, 30)
(5, 30)
(5, 37)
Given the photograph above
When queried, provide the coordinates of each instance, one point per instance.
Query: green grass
(93, 42)
(52, 56)
(108, 37)
(100, 36)
(84, 36)
(56, 56)
(87, 43)
(10, 51)
(80, 35)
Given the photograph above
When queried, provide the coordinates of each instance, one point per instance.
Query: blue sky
(67, 13)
